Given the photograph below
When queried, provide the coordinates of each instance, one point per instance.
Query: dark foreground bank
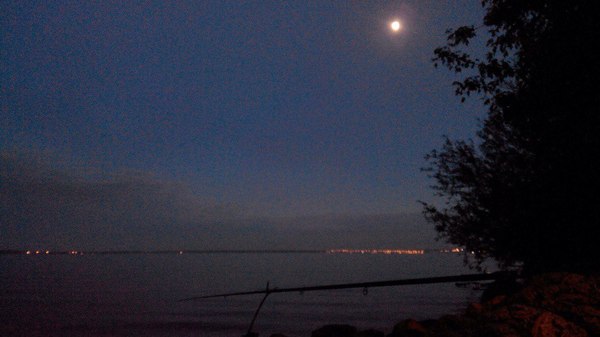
(558, 304)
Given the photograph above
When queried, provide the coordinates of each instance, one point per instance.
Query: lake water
(136, 294)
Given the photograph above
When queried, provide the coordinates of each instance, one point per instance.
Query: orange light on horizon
(452, 250)
(378, 251)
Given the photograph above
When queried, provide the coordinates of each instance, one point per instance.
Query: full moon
(395, 26)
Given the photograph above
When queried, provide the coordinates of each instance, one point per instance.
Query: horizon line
(386, 251)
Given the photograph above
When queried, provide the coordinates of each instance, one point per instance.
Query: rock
(408, 328)
(500, 329)
(474, 309)
(562, 289)
(456, 326)
(551, 325)
(523, 313)
(335, 330)
(550, 305)
(588, 317)
(574, 298)
(428, 323)
(496, 300)
(517, 315)
(370, 333)
(502, 287)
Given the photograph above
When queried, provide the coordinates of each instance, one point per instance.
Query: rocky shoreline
(549, 305)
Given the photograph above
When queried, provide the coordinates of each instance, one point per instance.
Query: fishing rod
(364, 285)
(427, 280)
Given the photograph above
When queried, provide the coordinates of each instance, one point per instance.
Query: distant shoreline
(231, 251)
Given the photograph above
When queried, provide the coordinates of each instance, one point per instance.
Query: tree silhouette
(526, 191)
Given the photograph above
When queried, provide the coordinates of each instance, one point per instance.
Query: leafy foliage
(526, 192)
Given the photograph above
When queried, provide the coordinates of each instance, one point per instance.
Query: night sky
(203, 123)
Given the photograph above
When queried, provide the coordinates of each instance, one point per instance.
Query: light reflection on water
(130, 295)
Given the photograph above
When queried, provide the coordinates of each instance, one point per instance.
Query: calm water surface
(136, 295)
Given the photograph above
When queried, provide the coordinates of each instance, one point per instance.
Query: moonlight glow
(395, 26)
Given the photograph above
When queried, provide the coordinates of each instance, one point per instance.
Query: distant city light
(377, 251)
(393, 251)
(452, 250)
(385, 251)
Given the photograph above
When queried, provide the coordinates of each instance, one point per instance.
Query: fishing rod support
(249, 333)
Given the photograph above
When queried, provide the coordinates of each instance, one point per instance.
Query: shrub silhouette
(525, 191)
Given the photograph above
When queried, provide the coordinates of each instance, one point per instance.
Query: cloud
(68, 208)
(49, 205)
